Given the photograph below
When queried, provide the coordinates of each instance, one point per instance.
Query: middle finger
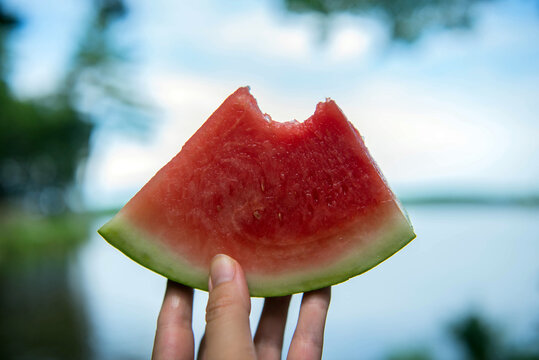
(269, 334)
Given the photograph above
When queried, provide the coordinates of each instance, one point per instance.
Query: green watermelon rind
(393, 235)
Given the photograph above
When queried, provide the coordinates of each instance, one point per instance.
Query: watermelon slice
(300, 205)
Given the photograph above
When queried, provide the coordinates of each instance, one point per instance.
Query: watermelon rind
(370, 250)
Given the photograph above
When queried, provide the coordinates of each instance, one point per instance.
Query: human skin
(228, 333)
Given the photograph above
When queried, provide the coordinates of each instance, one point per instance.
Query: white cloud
(260, 32)
(352, 39)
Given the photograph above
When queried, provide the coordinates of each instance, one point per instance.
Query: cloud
(261, 33)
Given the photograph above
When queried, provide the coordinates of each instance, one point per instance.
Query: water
(466, 259)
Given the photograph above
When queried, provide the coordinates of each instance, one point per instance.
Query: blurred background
(96, 95)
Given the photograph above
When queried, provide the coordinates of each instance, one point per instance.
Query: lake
(480, 261)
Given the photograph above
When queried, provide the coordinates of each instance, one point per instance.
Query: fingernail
(222, 269)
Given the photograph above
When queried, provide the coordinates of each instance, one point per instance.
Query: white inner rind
(369, 250)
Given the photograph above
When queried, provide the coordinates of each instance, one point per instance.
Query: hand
(228, 334)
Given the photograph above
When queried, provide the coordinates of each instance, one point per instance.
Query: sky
(455, 111)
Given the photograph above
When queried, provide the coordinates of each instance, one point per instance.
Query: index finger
(174, 336)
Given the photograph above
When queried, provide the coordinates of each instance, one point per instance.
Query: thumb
(228, 332)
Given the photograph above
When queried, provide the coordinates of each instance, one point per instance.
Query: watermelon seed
(280, 216)
(262, 186)
(257, 214)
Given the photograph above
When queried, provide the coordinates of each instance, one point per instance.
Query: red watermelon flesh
(299, 205)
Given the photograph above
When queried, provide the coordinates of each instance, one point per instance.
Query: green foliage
(407, 19)
(411, 355)
(26, 238)
(477, 338)
(480, 340)
(40, 147)
(45, 141)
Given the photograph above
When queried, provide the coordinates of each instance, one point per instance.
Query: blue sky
(456, 110)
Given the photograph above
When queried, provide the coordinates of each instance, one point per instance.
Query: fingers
(269, 334)
(228, 333)
(308, 338)
(174, 336)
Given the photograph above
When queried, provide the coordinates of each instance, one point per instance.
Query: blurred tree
(44, 141)
(419, 354)
(407, 19)
(98, 82)
(480, 340)
(476, 338)
(40, 143)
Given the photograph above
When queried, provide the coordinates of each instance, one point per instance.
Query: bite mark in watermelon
(300, 206)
